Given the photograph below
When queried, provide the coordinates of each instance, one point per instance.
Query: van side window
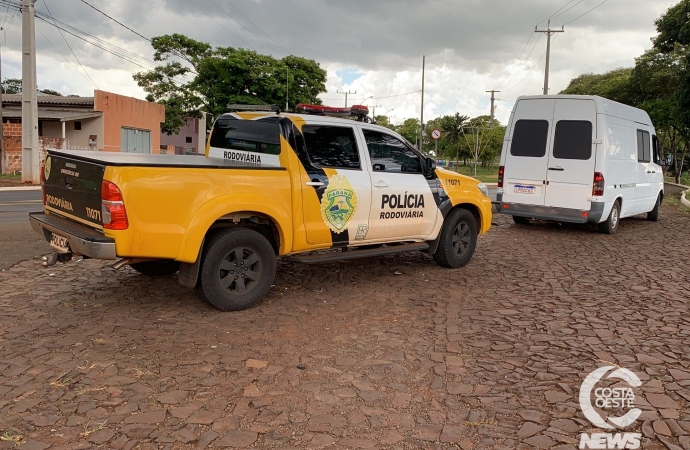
(656, 150)
(529, 138)
(389, 154)
(573, 140)
(329, 146)
(643, 147)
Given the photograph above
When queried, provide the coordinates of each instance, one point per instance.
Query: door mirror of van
(430, 165)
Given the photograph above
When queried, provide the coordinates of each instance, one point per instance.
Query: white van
(572, 158)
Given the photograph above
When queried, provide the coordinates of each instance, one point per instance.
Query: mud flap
(189, 272)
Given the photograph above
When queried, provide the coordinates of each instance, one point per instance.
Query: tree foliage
(613, 85)
(194, 76)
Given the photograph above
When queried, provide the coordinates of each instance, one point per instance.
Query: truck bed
(149, 160)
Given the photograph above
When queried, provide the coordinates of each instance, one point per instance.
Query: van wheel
(457, 240)
(156, 268)
(521, 220)
(653, 215)
(237, 270)
(611, 224)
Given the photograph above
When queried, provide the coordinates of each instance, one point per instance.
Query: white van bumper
(594, 214)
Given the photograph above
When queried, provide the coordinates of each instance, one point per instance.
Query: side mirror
(430, 165)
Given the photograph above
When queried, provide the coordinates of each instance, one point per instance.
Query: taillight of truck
(113, 207)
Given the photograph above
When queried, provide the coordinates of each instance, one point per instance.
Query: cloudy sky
(371, 47)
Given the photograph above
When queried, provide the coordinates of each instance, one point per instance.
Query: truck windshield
(231, 133)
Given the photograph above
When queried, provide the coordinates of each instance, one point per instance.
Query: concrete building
(190, 139)
(105, 122)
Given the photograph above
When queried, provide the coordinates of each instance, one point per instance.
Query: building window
(188, 139)
(77, 125)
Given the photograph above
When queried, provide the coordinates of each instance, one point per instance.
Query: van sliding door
(570, 172)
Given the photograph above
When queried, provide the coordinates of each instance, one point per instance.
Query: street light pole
(30, 154)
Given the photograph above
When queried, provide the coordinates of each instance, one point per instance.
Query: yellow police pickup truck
(271, 184)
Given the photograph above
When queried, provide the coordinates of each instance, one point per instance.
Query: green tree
(409, 129)
(194, 76)
(384, 121)
(452, 130)
(483, 140)
(12, 86)
(614, 85)
(51, 92)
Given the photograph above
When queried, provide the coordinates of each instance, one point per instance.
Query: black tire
(521, 220)
(610, 226)
(457, 240)
(653, 215)
(156, 268)
(238, 268)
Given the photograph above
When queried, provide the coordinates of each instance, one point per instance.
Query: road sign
(436, 134)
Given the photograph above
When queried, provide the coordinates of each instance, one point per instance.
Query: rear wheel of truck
(156, 268)
(458, 239)
(238, 268)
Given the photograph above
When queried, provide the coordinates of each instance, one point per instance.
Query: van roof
(603, 106)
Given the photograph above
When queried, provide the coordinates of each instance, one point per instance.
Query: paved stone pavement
(351, 355)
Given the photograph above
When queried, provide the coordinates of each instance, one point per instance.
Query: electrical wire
(531, 69)
(516, 66)
(60, 53)
(235, 20)
(260, 29)
(226, 28)
(70, 47)
(115, 20)
(580, 16)
(556, 13)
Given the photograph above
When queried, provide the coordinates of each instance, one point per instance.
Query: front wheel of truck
(238, 269)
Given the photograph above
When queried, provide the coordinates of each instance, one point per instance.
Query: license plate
(59, 243)
(524, 189)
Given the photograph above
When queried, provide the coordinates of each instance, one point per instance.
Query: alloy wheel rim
(240, 270)
(461, 239)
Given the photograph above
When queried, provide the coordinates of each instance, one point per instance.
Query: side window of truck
(643, 147)
(246, 135)
(656, 150)
(573, 140)
(389, 154)
(529, 138)
(329, 146)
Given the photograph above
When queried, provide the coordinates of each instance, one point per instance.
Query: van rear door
(527, 156)
(571, 158)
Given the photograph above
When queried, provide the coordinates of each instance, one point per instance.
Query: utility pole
(493, 98)
(421, 124)
(346, 94)
(2, 127)
(548, 32)
(287, 88)
(373, 111)
(30, 155)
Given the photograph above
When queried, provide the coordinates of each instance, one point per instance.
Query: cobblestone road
(351, 355)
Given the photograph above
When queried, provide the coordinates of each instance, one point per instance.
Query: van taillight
(113, 207)
(599, 185)
(501, 170)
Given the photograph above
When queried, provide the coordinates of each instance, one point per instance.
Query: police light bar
(358, 111)
(238, 107)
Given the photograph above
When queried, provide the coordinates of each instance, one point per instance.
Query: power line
(235, 20)
(557, 11)
(60, 53)
(578, 17)
(260, 29)
(226, 29)
(70, 47)
(502, 85)
(115, 20)
(568, 9)
(530, 70)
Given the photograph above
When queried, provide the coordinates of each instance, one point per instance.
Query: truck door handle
(380, 184)
(651, 171)
(315, 183)
(557, 169)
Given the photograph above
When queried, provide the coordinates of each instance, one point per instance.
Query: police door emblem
(46, 168)
(338, 203)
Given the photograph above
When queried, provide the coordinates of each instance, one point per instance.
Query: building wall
(89, 127)
(120, 111)
(13, 146)
(50, 128)
(194, 128)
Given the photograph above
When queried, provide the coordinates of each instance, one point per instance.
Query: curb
(20, 188)
(683, 200)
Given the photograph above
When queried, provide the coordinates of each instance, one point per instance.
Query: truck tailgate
(73, 188)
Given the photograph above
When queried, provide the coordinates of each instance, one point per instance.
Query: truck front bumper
(594, 214)
(82, 239)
